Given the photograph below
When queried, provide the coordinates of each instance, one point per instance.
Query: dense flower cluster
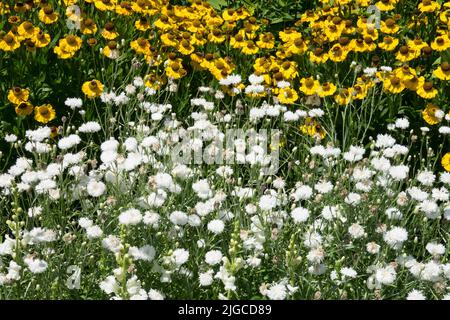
(129, 221)
(156, 150)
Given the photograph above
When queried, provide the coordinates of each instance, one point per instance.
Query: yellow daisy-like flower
(389, 26)
(443, 72)
(24, 109)
(41, 39)
(326, 89)
(388, 44)
(92, 89)
(47, 15)
(312, 128)
(445, 161)
(105, 5)
(88, 26)
(44, 113)
(428, 6)
(249, 48)
(18, 95)
(344, 96)
(287, 95)
(429, 114)
(309, 86)
(393, 84)
(109, 31)
(9, 42)
(26, 30)
(441, 43)
(426, 89)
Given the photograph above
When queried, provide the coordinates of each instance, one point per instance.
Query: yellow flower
(337, 53)
(344, 96)
(26, 30)
(443, 72)
(185, 47)
(326, 89)
(389, 26)
(412, 84)
(88, 26)
(359, 92)
(44, 113)
(405, 54)
(105, 5)
(388, 44)
(9, 42)
(266, 41)
(429, 114)
(71, 43)
(47, 15)
(142, 24)
(441, 43)
(109, 32)
(445, 161)
(92, 89)
(312, 128)
(140, 45)
(386, 5)
(18, 95)
(289, 69)
(429, 6)
(110, 50)
(287, 95)
(124, 9)
(426, 89)
(309, 86)
(249, 48)
(393, 84)
(175, 70)
(41, 39)
(318, 56)
(405, 73)
(24, 109)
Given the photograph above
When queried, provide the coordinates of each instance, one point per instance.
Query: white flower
(395, 237)
(402, 123)
(89, 127)
(384, 141)
(435, 249)
(180, 256)
(34, 212)
(300, 214)
(95, 188)
(145, 253)
(94, 232)
(399, 172)
(130, 217)
(10, 138)
(36, 265)
(213, 257)
(426, 178)
(277, 292)
(415, 295)
(216, 226)
(74, 103)
(155, 295)
(349, 272)
(356, 231)
(178, 218)
(206, 278)
(202, 189)
(267, 202)
(386, 275)
(69, 142)
(354, 154)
